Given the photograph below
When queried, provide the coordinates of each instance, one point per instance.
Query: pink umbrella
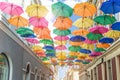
(98, 30)
(60, 38)
(95, 54)
(11, 8)
(32, 40)
(61, 47)
(90, 41)
(38, 22)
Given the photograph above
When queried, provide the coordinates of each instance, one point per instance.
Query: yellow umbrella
(62, 63)
(74, 53)
(82, 56)
(60, 42)
(61, 53)
(80, 32)
(83, 23)
(75, 43)
(88, 46)
(112, 34)
(36, 47)
(37, 10)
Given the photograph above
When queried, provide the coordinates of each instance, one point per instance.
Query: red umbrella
(11, 8)
(32, 40)
(60, 38)
(90, 41)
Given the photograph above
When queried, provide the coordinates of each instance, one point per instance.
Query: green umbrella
(61, 32)
(50, 51)
(45, 59)
(105, 19)
(85, 62)
(99, 50)
(46, 41)
(93, 36)
(74, 48)
(24, 31)
(61, 9)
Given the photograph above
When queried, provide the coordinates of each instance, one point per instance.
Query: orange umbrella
(82, 56)
(80, 32)
(103, 45)
(84, 9)
(74, 53)
(75, 43)
(63, 23)
(18, 21)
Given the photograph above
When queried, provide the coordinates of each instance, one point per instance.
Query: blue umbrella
(28, 35)
(115, 0)
(106, 40)
(85, 51)
(78, 60)
(50, 55)
(48, 47)
(110, 7)
(116, 26)
(77, 38)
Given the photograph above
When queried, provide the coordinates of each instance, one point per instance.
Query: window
(4, 67)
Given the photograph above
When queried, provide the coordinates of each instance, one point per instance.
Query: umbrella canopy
(83, 23)
(50, 55)
(35, 21)
(46, 41)
(60, 38)
(84, 9)
(32, 40)
(99, 50)
(60, 42)
(113, 34)
(48, 47)
(110, 7)
(61, 32)
(77, 38)
(37, 47)
(18, 21)
(60, 47)
(106, 40)
(116, 26)
(105, 19)
(85, 51)
(23, 31)
(80, 32)
(103, 45)
(50, 51)
(88, 41)
(75, 43)
(98, 30)
(93, 36)
(88, 46)
(28, 35)
(82, 56)
(63, 23)
(74, 53)
(36, 10)
(41, 54)
(11, 8)
(77, 60)
(95, 54)
(85, 62)
(74, 48)
(61, 9)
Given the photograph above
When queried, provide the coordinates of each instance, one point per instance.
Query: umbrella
(95, 54)
(103, 45)
(60, 47)
(60, 38)
(44, 36)
(46, 41)
(37, 48)
(32, 40)
(93, 36)
(82, 56)
(28, 35)
(80, 32)
(60, 42)
(50, 51)
(74, 48)
(48, 47)
(116, 26)
(77, 38)
(85, 51)
(83, 23)
(77, 60)
(85, 62)
(63, 23)
(89, 58)
(36, 10)
(84, 9)
(45, 59)
(23, 31)
(99, 50)
(74, 53)
(88, 46)
(113, 34)
(105, 19)
(98, 30)
(35, 21)
(106, 40)
(110, 7)
(61, 53)
(90, 41)
(61, 63)
(61, 9)
(50, 55)
(18, 21)
(61, 32)
(11, 8)
(75, 43)
(41, 54)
